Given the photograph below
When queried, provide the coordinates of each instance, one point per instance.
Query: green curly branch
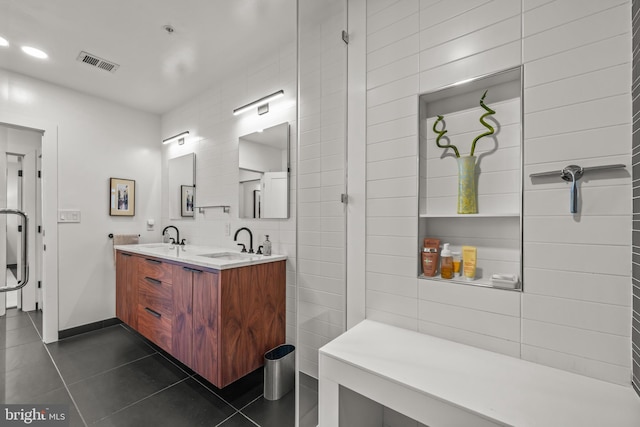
(441, 134)
(489, 112)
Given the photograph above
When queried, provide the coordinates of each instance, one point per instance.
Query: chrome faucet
(235, 239)
(177, 240)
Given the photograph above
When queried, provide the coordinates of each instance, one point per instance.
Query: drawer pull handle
(124, 254)
(154, 281)
(153, 313)
(154, 261)
(193, 270)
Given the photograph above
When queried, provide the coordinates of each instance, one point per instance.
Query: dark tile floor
(115, 377)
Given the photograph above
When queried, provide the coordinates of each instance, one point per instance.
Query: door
(274, 198)
(13, 243)
(321, 179)
(38, 233)
(29, 206)
(19, 151)
(21, 195)
(4, 143)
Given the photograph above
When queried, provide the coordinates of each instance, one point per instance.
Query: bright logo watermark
(34, 415)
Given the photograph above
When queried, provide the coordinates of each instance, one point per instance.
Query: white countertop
(497, 387)
(192, 254)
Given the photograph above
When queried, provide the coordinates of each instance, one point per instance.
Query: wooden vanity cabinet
(218, 322)
(127, 288)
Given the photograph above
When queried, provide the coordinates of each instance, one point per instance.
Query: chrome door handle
(23, 255)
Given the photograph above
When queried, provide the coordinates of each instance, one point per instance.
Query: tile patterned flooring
(115, 377)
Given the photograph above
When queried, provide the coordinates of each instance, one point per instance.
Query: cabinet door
(127, 288)
(182, 328)
(252, 317)
(206, 338)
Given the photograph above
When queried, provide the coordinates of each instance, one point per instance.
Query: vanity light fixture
(3, 41)
(36, 53)
(179, 137)
(262, 104)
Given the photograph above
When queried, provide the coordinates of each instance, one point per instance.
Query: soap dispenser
(446, 262)
(266, 246)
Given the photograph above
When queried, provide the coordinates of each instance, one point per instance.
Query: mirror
(182, 185)
(264, 173)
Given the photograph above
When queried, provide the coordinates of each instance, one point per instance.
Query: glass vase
(467, 196)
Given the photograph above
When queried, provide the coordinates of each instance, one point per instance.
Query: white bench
(443, 383)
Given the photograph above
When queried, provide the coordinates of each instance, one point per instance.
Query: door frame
(49, 216)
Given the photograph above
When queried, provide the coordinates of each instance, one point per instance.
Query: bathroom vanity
(214, 310)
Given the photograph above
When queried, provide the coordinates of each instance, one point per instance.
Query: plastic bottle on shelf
(457, 258)
(446, 262)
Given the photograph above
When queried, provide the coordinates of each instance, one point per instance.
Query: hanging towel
(124, 239)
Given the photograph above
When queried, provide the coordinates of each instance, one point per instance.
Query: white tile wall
(481, 322)
(472, 44)
(575, 310)
(463, 335)
(466, 23)
(492, 60)
(569, 32)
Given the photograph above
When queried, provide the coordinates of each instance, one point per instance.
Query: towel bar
(225, 208)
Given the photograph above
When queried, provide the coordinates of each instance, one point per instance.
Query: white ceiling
(157, 71)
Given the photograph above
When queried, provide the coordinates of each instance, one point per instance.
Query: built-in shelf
(471, 216)
(496, 230)
(460, 280)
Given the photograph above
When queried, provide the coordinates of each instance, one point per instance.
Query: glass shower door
(321, 182)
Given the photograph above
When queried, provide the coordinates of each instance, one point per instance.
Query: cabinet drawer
(155, 326)
(156, 295)
(155, 269)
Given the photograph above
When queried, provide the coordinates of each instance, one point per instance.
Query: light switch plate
(68, 215)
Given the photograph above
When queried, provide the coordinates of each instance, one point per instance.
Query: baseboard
(66, 333)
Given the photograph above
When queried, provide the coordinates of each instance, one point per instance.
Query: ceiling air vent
(98, 62)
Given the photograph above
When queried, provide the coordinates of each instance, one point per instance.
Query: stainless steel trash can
(279, 371)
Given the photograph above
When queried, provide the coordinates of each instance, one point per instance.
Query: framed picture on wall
(122, 193)
(187, 199)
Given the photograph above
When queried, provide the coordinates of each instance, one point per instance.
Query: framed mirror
(264, 173)
(182, 186)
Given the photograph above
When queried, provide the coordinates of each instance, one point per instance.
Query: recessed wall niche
(496, 229)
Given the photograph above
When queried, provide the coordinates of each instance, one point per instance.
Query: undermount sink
(231, 256)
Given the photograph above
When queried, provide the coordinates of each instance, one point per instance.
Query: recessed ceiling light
(36, 53)
(4, 42)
